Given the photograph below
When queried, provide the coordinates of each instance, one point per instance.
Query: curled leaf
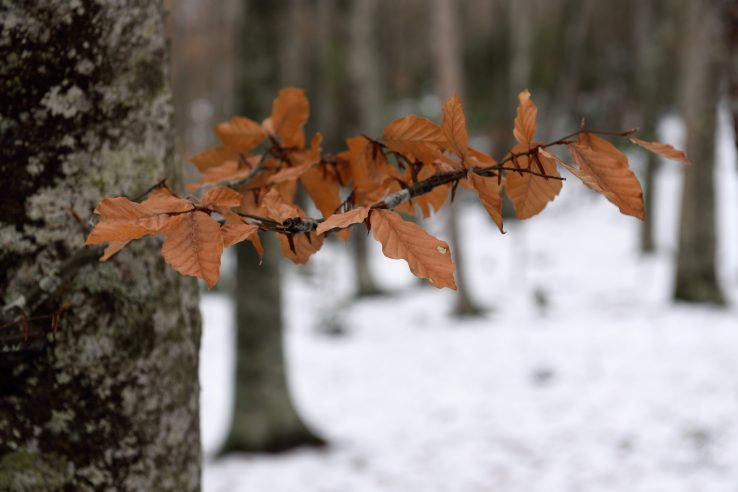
(664, 150)
(344, 220)
(416, 136)
(525, 121)
(240, 133)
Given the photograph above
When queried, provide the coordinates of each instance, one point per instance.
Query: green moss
(25, 471)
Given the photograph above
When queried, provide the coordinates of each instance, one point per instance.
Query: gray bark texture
(696, 278)
(111, 401)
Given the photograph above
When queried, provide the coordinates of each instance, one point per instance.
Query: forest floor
(581, 376)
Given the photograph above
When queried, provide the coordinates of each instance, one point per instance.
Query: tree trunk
(696, 263)
(647, 91)
(449, 77)
(730, 16)
(110, 402)
(365, 78)
(264, 418)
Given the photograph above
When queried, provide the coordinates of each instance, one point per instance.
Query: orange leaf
(220, 195)
(277, 208)
(369, 166)
(427, 256)
(194, 245)
(525, 121)
(489, 193)
(235, 233)
(214, 156)
(609, 175)
(415, 136)
(123, 220)
(344, 220)
(240, 133)
(434, 199)
(304, 247)
(112, 248)
(454, 126)
(303, 161)
(290, 112)
(530, 194)
(664, 150)
(321, 183)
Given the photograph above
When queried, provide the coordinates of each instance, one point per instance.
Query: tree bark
(449, 77)
(110, 402)
(696, 278)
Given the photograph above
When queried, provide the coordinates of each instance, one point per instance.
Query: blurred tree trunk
(646, 89)
(730, 15)
(696, 262)
(264, 416)
(111, 401)
(365, 78)
(449, 79)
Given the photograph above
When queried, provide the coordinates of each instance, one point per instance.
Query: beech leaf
(194, 245)
(240, 133)
(525, 121)
(290, 112)
(661, 149)
(416, 136)
(454, 126)
(529, 193)
(344, 220)
(606, 173)
(427, 256)
(489, 190)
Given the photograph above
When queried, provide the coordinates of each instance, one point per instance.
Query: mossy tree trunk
(111, 401)
(696, 278)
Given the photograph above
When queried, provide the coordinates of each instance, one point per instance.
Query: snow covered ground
(583, 376)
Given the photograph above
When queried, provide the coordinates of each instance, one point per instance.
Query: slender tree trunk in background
(264, 416)
(647, 57)
(696, 262)
(730, 16)
(111, 401)
(449, 77)
(365, 78)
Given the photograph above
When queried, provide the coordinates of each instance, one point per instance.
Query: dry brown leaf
(240, 133)
(415, 136)
(123, 220)
(214, 156)
(661, 149)
(530, 194)
(303, 161)
(525, 121)
(112, 248)
(304, 247)
(194, 245)
(368, 164)
(222, 196)
(434, 199)
(605, 173)
(489, 192)
(321, 184)
(454, 127)
(344, 220)
(427, 256)
(290, 112)
(235, 233)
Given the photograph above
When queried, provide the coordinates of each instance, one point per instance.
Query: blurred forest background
(632, 63)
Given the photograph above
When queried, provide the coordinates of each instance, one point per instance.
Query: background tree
(111, 400)
(449, 78)
(696, 267)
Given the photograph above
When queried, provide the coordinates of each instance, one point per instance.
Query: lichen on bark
(111, 401)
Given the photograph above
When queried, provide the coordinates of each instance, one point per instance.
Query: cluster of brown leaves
(250, 181)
